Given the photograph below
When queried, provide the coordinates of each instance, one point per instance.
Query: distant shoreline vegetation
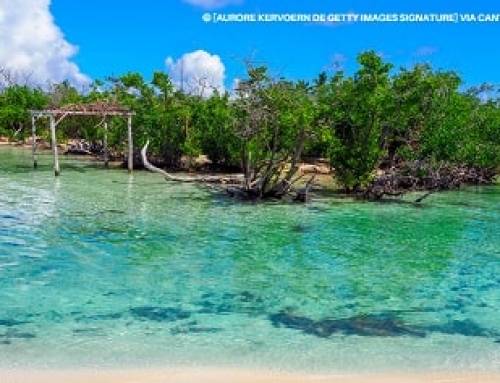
(383, 130)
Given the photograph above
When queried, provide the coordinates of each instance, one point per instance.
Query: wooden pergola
(102, 109)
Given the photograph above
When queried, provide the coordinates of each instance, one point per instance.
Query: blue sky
(116, 36)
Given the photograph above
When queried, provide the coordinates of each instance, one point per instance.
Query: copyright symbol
(207, 17)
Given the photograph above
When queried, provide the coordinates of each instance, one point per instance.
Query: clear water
(99, 268)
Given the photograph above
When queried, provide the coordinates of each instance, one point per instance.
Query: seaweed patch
(11, 334)
(381, 325)
(11, 322)
(97, 317)
(228, 303)
(194, 330)
(91, 331)
(462, 327)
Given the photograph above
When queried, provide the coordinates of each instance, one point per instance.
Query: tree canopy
(377, 117)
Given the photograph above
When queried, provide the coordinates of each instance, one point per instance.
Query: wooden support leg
(105, 142)
(33, 141)
(54, 145)
(130, 146)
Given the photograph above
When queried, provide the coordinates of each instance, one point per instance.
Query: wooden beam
(105, 143)
(130, 145)
(33, 141)
(61, 118)
(52, 114)
(57, 112)
(57, 170)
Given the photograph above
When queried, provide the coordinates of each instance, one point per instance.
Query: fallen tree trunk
(226, 179)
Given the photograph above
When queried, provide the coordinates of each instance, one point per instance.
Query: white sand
(214, 375)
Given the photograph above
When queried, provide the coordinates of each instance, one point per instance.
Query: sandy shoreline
(214, 375)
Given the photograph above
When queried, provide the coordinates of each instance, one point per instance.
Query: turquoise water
(99, 268)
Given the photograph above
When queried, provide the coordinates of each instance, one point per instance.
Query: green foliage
(376, 117)
(15, 103)
(431, 118)
(463, 130)
(356, 114)
(273, 121)
(214, 132)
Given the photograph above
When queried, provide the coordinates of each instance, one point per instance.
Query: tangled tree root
(422, 176)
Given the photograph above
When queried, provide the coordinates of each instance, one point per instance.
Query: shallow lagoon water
(99, 268)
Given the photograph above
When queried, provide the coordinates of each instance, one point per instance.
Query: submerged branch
(420, 199)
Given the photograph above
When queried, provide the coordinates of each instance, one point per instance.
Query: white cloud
(32, 47)
(197, 72)
(211, 4)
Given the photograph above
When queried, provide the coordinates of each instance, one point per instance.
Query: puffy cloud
(32, 47)
(197, 72)
(211, 4)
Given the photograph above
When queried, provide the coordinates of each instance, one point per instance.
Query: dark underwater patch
(380, 325)
(295, 322)
(159, 314)
(208, 307)
(464, 327)
(242, 303)
(246, 296)
(318, 209)
(300, 228)
(11, 322)
(207, 295)
(114, 211)
(228, 238)
(455, 306)
(194, 330)
(11, 334)
(7, 216)
(54, 316)
(91, 331)
(21, 335)
(98, 317)
(12, 244)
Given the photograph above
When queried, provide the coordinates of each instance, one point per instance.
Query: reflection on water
(102, 268)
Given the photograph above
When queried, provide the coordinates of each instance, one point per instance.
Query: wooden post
(54, 145)
(105, 142)
(130, 145)
(33, 141)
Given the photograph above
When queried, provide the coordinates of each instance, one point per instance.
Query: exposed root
(422, 176)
